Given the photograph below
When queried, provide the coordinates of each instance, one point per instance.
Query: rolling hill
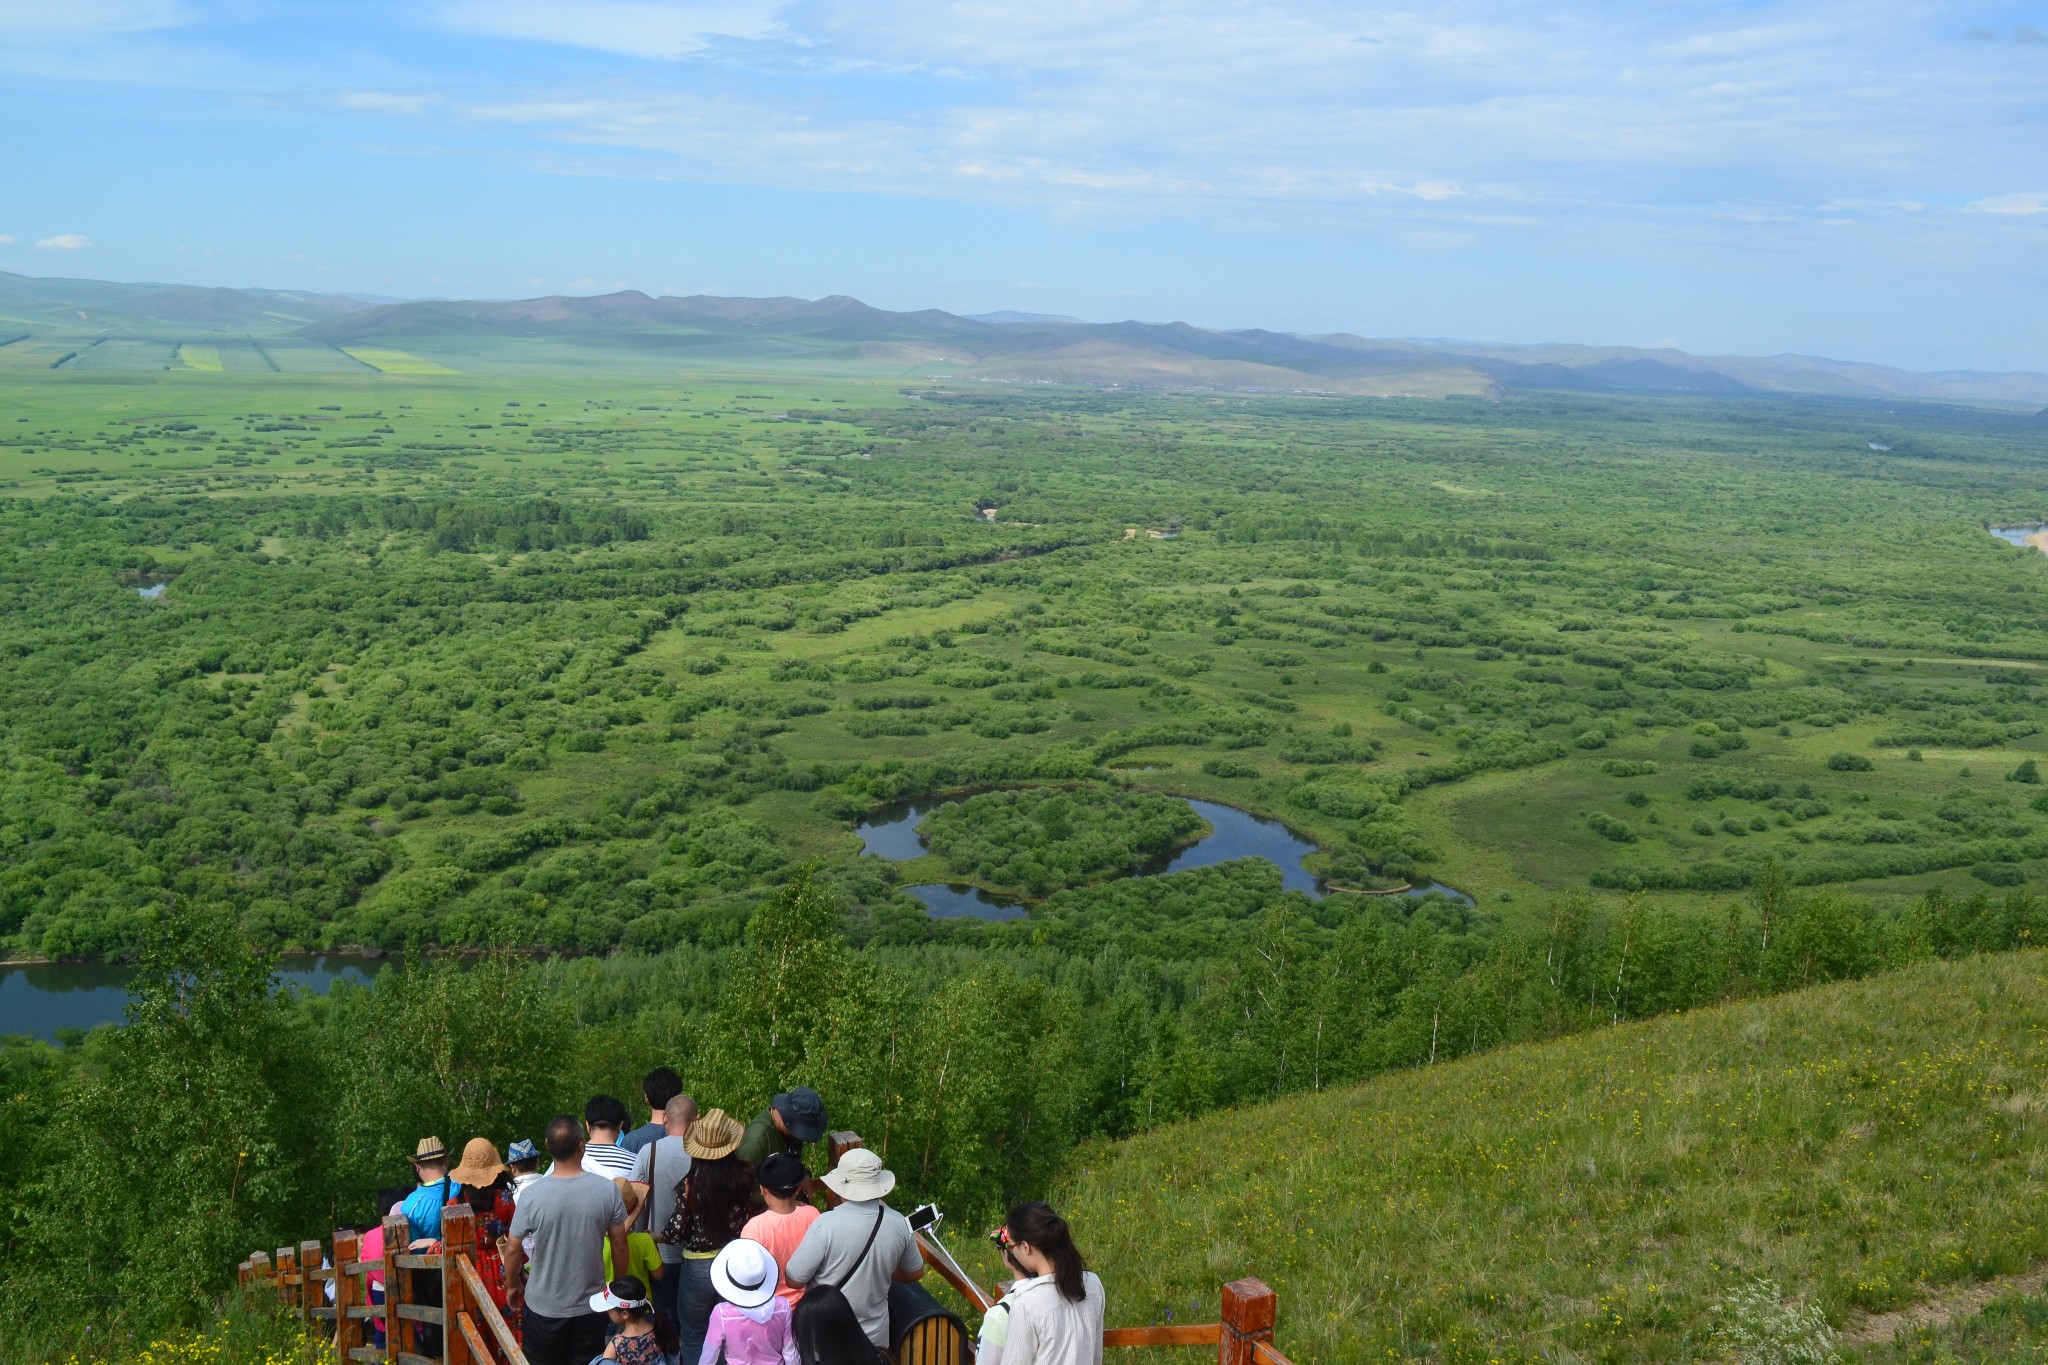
(1038, 348)
(634, 330)
(94, 305)
(1867, 1146)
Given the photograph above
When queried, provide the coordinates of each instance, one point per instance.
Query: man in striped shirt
(605, 1118)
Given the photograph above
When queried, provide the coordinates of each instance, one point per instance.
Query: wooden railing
(1250, 1310)
(466, 1327)
(472, 1332)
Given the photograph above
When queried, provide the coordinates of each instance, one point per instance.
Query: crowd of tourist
(693, 1240)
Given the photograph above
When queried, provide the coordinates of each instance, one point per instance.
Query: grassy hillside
(1866, 1146)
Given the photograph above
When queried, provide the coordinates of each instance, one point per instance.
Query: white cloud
(637, 28)
(6, 239)
(2013, 205)
(65, 241)
(385, 101)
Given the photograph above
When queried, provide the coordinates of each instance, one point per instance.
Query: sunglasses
(1003, 1241)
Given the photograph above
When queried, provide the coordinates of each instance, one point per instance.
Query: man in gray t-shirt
(837, 1249)
(657, 1169)
(569, 1213)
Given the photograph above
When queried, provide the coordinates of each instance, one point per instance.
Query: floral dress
(640, 1350)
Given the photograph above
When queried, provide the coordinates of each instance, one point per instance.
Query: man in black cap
(791, 1119)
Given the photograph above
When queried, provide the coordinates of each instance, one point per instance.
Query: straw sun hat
(714, 1135)
(480, 1164)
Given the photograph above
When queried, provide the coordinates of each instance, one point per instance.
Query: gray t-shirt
(827, 1253)
(660, 1165)
(567, 1217)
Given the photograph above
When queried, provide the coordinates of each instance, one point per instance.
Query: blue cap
(522, 1150)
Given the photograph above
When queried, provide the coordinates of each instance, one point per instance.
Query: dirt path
(1943, 1309)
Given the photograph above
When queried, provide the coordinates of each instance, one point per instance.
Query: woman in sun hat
(486, 1183)
(713, 1203)
(752, 1325)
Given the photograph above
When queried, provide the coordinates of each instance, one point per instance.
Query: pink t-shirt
(747, 1342)
(370, 1247)
(780, 1233)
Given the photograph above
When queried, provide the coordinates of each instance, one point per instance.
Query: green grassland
(1700, 699)
(1867, 1147)
(428, 637)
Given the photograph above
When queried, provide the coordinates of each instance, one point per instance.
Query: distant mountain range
(1003, 347)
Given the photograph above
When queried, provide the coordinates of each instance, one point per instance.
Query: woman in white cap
(751, 1323)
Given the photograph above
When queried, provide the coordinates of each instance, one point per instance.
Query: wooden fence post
(259, 1265)
(1249, 1310)
(348, 1333)
(397, 1285)
(458, 1238)
(288, 1285)
(311, 1296)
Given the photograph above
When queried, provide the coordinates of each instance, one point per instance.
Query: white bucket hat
(860, 1175)
(744, 1274)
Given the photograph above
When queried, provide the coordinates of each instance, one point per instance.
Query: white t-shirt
(1046, 1328)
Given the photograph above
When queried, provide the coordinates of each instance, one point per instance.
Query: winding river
(891, 833)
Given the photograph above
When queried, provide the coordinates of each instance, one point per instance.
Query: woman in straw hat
(751, 1324)
(713, 1203)
(486, 1182)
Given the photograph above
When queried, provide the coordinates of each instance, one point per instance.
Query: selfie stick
(950, 1270)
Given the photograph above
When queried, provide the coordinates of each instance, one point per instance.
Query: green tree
(187, 1150)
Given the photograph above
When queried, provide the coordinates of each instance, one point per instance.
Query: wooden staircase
(471, 1331)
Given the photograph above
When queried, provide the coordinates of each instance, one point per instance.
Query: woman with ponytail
(1053, 1313)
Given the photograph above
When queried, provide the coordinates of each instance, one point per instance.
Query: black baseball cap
(781, 1174)
(803, 1111)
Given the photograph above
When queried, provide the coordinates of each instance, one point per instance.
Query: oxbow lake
(43, 998)
(892, 833)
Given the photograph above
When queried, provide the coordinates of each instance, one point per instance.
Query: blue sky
(1857, 178)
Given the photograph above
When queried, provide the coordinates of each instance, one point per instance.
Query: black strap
(880, 1213)
(646, 1218)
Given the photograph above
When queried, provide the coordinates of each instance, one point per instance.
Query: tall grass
(1594, 1198)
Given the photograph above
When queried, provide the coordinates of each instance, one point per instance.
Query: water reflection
(950, 900)
(1240, 834)
(891, 832)
(43, 998)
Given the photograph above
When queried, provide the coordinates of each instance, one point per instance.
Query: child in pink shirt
(751, 1323)
(782, 1226)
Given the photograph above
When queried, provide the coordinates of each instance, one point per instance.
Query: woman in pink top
(751, 1323)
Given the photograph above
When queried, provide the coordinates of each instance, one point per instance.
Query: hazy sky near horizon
(1865, 179)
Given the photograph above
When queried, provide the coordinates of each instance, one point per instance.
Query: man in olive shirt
(569, 1213)
(791, 1119)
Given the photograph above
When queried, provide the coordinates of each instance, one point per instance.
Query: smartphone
(924, 1217)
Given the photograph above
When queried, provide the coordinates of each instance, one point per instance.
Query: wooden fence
(465, 1327)
(435, 1300)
